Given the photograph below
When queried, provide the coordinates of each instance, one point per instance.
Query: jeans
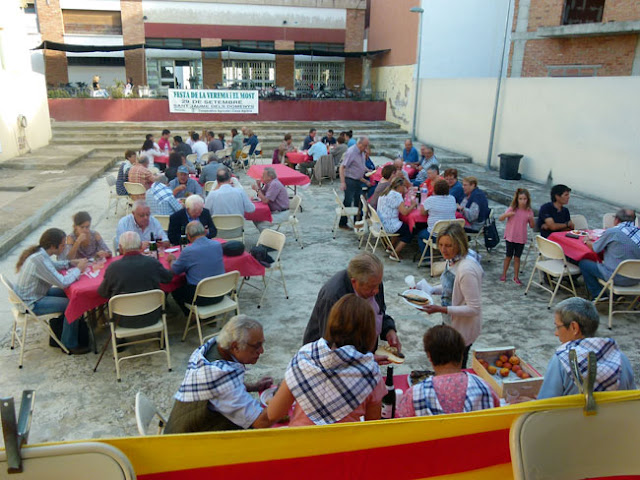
(591, 273)
(423, 235)
(351, 195)
(56, 301)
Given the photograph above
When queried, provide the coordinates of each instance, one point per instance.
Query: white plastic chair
(206, 157)
(230, 227)
(163, 220)
(132, 304)
(629, 269)
(607, 220)
(342, 211)
(224, 153)
(22, 315)
(531, 241)
(244, 155)
(376, 230)
(135, 191)
(208, 186)
(113, 194)
(579, 222)
(193, 158)
(145, 412)
(256, 156)
(431, 244)
(225, 285)
(552, 262)
(292, 221)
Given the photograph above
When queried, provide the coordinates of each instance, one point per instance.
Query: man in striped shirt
(160, 198)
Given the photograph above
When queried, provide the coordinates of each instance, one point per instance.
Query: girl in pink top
(518, 216)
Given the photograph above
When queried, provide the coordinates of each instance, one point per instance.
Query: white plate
(418, 293)
(267, 395)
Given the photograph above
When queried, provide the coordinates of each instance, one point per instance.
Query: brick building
(174, 26)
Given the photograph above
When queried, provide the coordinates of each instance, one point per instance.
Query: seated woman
(150, 151)
(84, 242)
(175, 161)
(450, 390)
(41, 286)
(387, 172)
(334, 379)
(439, 206)
(285, 147)
(390, 207)
(576, 322)
(474, 205)
(213, 395)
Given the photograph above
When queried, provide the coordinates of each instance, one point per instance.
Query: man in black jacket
(194, 210)
(363, 277)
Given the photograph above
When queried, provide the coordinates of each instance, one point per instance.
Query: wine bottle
(153, 246)
(389, 400)
(183, 239)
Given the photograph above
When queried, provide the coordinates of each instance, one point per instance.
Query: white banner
(213, 101)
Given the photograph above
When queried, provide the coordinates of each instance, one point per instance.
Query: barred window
(316, 75)
(173, 42)
(248, 44)
(326, 47)
(248, 74)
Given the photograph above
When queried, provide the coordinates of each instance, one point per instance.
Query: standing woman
(83, 242)
(40, 284)
(460, 287)
(390, 207)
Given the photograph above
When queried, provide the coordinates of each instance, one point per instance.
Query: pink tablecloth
(83, 294)
(164, 159)
(261, 214)
(574, 248)
(377, 175)
(298, 157)
(286, 175)
(414, 217)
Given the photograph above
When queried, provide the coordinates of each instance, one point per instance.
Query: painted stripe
(417, 460)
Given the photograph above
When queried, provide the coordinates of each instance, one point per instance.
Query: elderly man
(141, 222)
(554, 216)
(401, 172)
(576, 322)
(363, 277)
(194, 211)
(140, 173)
(227, 199)
(272, 192)
(213, 143)
(201, 259)
(309, 139)
(352, 170)
(160, 198)
(455, 187)
(410, 154)
(427, 158)
(618, 243)
(184, 186)
(134, 273)
(317, 150)
(213, 395)
(209, 172)
(180, 147)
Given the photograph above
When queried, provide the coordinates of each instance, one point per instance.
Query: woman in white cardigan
(460, 286)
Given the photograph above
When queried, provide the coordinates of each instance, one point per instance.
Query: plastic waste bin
(509, 164)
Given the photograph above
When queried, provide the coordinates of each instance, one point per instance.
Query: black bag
(233, 248)
(261, 254)
(56, 326)
(491, 237)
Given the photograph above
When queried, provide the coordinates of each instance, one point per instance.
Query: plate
(418, 293)
(580, 233)
(267, 395)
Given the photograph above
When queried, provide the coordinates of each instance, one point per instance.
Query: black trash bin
(509, 164)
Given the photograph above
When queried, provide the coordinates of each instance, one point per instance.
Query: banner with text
(213, 101)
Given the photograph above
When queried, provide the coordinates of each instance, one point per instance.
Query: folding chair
(226, 286)
(208, 186)
(552, 262)
(607, 220)
(324, 168)
(376, 229)
(292, 221)
(342, 211)
(223, 154)
(243, 157)
(133, 304)
(113, 194)
(145, 412)
(230, 227)
(206, 157)
(22, 315)
(532, 243)
(163, 220)
(193, 158)
(274, 240)
(362, 227)
(629, 269)
(579, 222)
(136, 191)
(431, 243)
(253, 160)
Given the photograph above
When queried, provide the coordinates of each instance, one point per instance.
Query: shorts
(514, 249)
(404, 233)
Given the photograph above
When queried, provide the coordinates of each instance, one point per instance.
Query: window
(96, 61)
(248, 44)
(169, 73)
(326, 47)
(316, 75)
(582, 11)
(248, 74)
(173, 42)
(92, 22)
(573, 70)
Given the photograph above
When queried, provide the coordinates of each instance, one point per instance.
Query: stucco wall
(398, 83)
(583, 132)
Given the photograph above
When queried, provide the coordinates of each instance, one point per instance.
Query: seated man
(198, 146)
(455, 187)
(183, 186)
(272, 192)
(140, 173)
(213, 143)
(329, 139)
(427, 158)
(160, 198)
(201, 259)
(363, 277)
(554, 216)
(410, 154)
(317, 150)
(141, 222)
(194, 210)
(433, 175)
(576, 322)
(309, 139)
(400, 171)
(226, 199)
(213, 395)
(618, 243)
(180, 147)
(134, 273)
(209, 172)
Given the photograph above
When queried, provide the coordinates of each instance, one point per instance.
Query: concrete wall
(398, 83)
(384, 25)
(581, 131)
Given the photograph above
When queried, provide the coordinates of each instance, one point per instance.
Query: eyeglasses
(558, 327)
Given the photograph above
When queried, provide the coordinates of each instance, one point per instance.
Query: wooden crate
(513, 385)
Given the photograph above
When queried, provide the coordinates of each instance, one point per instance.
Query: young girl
(518, 215)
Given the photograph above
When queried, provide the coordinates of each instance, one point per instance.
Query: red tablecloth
(377, 175)
(574, 248)
(298, 157)
(83, 294)
(414, 217)
(286, 175)
(164, 159)
(261, 214)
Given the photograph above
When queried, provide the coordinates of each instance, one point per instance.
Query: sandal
(517, 281)
(392, 257)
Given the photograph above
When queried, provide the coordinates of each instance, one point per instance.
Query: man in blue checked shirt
(160, 198)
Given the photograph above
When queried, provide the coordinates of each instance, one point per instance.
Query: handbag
(233, 248)
(261, 254)
(491, 237)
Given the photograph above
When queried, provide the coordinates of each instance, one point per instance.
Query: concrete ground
(72, 402)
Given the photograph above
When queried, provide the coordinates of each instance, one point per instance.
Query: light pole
(415, 104)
